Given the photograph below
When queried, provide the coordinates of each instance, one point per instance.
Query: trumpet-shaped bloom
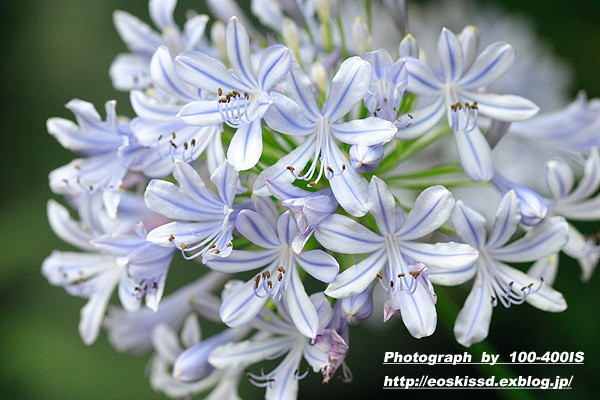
(298, 114)
(157, 127)
(577, 203)
(278, 336)
(458, 88)
(243, 96)
(495, 281)
(280, 278)
(110, 259)
(203, 221)
(395, 249)
(132, 70)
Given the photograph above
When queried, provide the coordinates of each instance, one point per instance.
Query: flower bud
(358, 307)
(533, 207)
(408, 47)
(366, 158)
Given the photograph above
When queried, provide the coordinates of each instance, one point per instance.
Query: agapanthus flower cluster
(307, 167)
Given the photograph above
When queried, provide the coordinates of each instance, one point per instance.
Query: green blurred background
(55, 50)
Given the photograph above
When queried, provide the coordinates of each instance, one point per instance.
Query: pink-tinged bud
(329, 341)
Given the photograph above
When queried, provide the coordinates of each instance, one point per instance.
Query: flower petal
(274, 64)
(450, 55)
(188, 233)
(544, 298)
(247, 352)
(507, 220)
(422, 120)
(242, 305)
(590, 181)
(544, 239)
(469, 224)
(383, 206)
(319, 265)
(504, 107)
(246, 145)
(418, 311)
(344, 235)
(298, 87)
(296, 159)
(257, 229)
(559, 177)
(421, 78)
(201, 113)
(286, 116)
(238, 52)
(348, 87)
(301, 309)
(161, 12)
(492, 63)
(367, 132)
(475, 154)
(172, 202)
(162, 71)
(192, 185)
(454, 258)
(226, 179)
(243, 260)
(349, 187)
(432, 208)
(204, 72)
(357, 278)
(473, 321)
(138, 36)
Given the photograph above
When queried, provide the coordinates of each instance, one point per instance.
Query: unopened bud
(366, 158)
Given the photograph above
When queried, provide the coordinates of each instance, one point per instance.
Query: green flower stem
(422, 142)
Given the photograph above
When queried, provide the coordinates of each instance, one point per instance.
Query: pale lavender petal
(243, 260)
(588, 210)
(273, 66)
(367, 132)
(475, 154)
(507, 220)
(348, 87)
(194, 29)
(129, 71)
(226, 179)
(492, 63)
(383, 206)
(248, 352)
(287, 229)
(151, 109)
(418, 312)
(544, 239)
(560, 178)
(543, 297)
(432, 208)
(257, 229)
(344, 235)
(138, 36)
(590, 181)
(183, 233)
(72, 137)
(421, 120)
(298, 87)
(319, 265)
(349, 187)
(286, 116)
(66, 228)
(469, 225)
(242, 305)
(201, 113)
(381, 62)
(238, 52)
(473, 321)
(545, 268)
(93, 312)
(162, 71)
(503, 107)
(169, 200)
(301, 309)
(469, 40)
(421, 78)
(450, 55)
(161, 12)
(245, 148)
(454, 259)
(357, 278)
(192, 185)
(279, 171)
(204, 72)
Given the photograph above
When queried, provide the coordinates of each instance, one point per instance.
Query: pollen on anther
(281, 269)
(122, 187)
(183, 245)
(220, 92)
(290, 168)
(212, 246)
(256, 281)
(216, 251)
(415, 274)
(171, 237)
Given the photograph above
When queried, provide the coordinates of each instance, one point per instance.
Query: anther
(281, 269)
(246, 96)
(183, 245)
(193, 142)
(212, 246)
(173, 135)
(220, 92)
(173, 144)
(171, 237)
(270, 284)
(256, 281)
(401, 275)
(122, 187)
(216, 251)
(290, 168)
(415, 274)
